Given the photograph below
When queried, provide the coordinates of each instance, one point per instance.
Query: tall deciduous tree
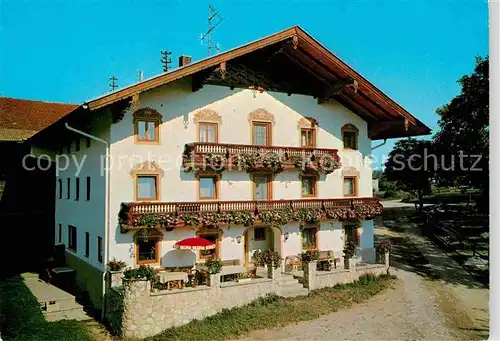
(412, 166)
(464, 131)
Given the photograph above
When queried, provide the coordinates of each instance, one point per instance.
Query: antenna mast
(165, 59)
(112, 83)
(214, 19)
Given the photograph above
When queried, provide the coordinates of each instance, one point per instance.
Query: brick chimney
(184, 60)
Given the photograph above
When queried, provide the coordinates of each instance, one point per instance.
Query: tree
(464, 132)
(412, 166)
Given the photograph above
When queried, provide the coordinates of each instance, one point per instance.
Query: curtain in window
(307, 185)
(308, 237)
(351, 235)
(208, 133)
(260, 135)
(203, 133)
(141, 130)
(146, 187)
(306, 138)
(261, 187)
(151, 130)
(207, 188)
(349, 186)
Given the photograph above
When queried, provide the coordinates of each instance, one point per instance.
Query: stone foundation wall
(147, 313)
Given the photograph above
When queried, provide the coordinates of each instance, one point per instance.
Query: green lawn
(274, 311)
(22, 319)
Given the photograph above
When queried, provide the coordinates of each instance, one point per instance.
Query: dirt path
(405, 312)
(462, 299)
(435, 299)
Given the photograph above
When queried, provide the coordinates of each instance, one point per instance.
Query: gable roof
(311, 60)
(20, 119)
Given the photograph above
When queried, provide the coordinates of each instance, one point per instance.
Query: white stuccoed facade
(178, 105)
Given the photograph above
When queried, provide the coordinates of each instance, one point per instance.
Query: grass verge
(22, 319)
(273, 311)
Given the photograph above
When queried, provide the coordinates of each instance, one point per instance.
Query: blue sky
(65, 51)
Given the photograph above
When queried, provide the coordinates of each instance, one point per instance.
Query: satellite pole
(165, 59)
(112, 84)
(214, 19)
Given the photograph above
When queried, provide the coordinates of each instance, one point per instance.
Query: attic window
(350, 136)
(146, 125)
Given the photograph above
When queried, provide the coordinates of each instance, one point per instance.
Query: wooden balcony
(174, 212)
(218, 156)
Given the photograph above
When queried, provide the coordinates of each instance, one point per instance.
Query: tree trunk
(420, 195)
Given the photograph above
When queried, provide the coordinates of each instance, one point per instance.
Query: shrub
(309, 255)
(142, 272)
(272, 258)
(214, 265)
(116, 265)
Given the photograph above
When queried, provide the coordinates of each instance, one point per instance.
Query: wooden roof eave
(363, 83)
(303, 48)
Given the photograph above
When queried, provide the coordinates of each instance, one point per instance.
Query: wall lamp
(238, 239)
(287, 235)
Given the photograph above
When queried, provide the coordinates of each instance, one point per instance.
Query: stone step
(294, 292)
(60, 304)
(76, 313)
(289, 283)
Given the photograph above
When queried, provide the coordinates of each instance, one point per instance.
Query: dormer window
(147, 131)
(350, 136)
(147, 125)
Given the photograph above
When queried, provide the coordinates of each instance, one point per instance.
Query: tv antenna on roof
(112, 83)
(214, 19)
(165, 59)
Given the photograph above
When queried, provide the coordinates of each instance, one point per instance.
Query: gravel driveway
(405, 312)
(433, 299)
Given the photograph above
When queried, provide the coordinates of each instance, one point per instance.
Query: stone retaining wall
(147, 313)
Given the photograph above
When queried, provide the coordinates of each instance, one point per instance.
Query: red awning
(195, 244)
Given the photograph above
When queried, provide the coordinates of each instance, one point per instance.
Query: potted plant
(116, 265)
(242, 278)
(258, 258)
(272, 259)
(383, 247)
(349, 250)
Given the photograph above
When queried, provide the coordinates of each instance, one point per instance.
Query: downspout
(106, 208)
(380, 145)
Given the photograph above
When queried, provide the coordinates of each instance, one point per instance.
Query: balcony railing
(355, 208)
(202, 155)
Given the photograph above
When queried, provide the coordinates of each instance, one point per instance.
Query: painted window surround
(147, 168)
(147, 115)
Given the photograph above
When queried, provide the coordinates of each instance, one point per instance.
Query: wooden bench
(327, 258)
(453, 236)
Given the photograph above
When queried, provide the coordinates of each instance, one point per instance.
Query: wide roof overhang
(292, 62)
